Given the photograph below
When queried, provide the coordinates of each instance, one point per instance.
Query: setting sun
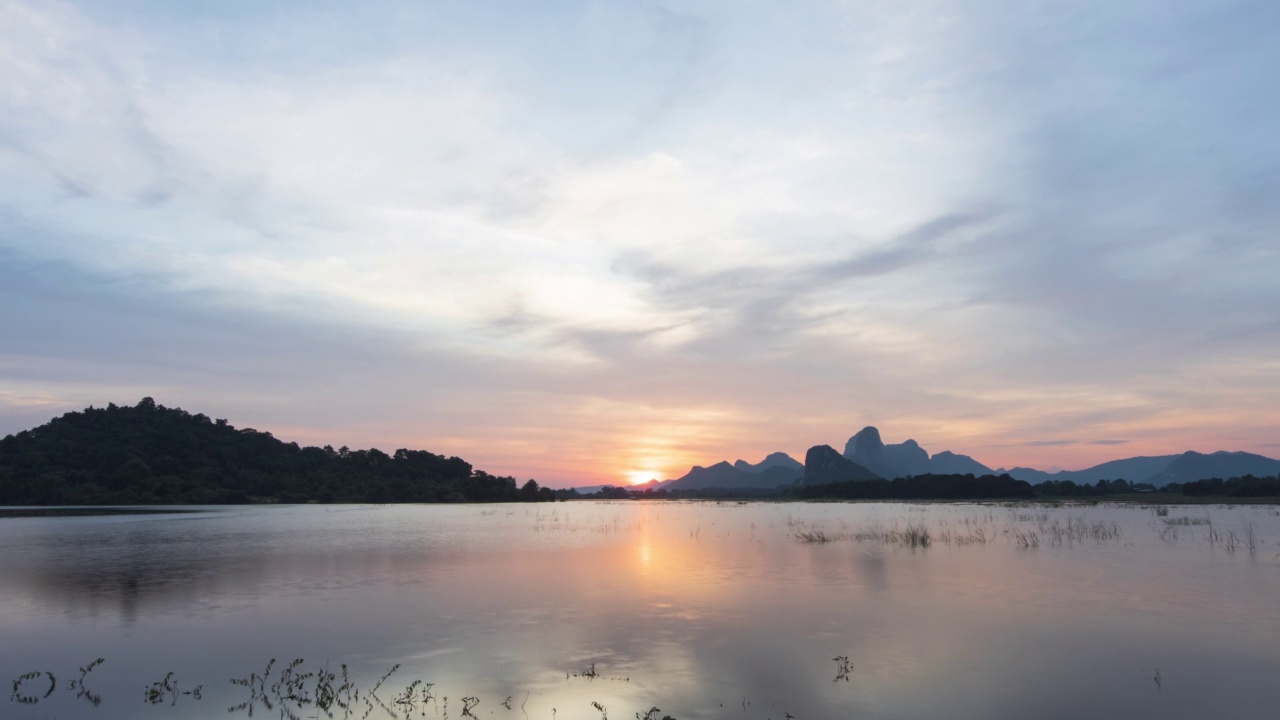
(636, 477)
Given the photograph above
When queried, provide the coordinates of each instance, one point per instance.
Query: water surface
(703, 610)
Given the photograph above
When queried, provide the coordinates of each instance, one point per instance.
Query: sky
(600, 242)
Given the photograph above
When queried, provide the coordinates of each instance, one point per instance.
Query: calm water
(702, 610)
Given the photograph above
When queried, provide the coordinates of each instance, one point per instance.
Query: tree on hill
(150, 454)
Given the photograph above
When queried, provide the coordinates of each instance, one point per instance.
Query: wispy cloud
(548, 235)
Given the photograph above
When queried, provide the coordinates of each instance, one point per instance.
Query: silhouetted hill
(867, 449)
(1135, 469)
(150, 454)
(724, 475)
(778, 459)
(907, 459)
(1192, 466)
(823, 465)
(868, 457)
(1161, 470)
(949, 463)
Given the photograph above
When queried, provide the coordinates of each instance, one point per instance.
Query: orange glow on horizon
(639, 477)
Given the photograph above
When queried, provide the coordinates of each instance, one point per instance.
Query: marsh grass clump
(1074, 531)
(1251, 538)
(1214, 537)
(327, 695)
(83, 692)
(971, 530)
(1104, 532)
(409, 697)
(1026, 539)
(295, 689)
(162, 690)
(1185, 520)
(843, 667)
(915, 535)
(292, 684)
(20, 688)
(818, 536)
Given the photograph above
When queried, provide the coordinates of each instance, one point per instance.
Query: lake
(609, 609)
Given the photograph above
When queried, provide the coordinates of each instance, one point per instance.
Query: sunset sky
(590, 242)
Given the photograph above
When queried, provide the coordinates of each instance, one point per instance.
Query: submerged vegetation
(298, 692)
(922, 536)
(1028, 530)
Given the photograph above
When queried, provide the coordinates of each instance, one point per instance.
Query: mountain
(949, 463)
(907, 459)
(822, 464)
(778, 459)
(776, 469)
(1191, 466)
(867, 449)
(722, 474)
(1134, 469)
(1160, 470)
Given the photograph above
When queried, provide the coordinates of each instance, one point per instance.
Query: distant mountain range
(1161, 470)
(867, 457)
(776, 469)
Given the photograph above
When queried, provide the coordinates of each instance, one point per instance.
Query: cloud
(572, 226)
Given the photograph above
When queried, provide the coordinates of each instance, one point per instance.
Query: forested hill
(150, 454)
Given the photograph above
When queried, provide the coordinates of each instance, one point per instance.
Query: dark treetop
(150, 454)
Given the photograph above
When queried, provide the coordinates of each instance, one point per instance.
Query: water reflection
(703, 610)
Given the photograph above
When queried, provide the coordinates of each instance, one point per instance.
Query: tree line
(1247, 486)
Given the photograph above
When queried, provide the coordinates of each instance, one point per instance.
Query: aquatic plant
(1027, 539)
(843, 666)
(1186, 520)
(159, 691)
(916, 535)
(818, 536)
(1250, 538)
(79, 686)
(19, 687)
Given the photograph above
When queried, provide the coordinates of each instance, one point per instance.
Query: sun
(636, 477)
